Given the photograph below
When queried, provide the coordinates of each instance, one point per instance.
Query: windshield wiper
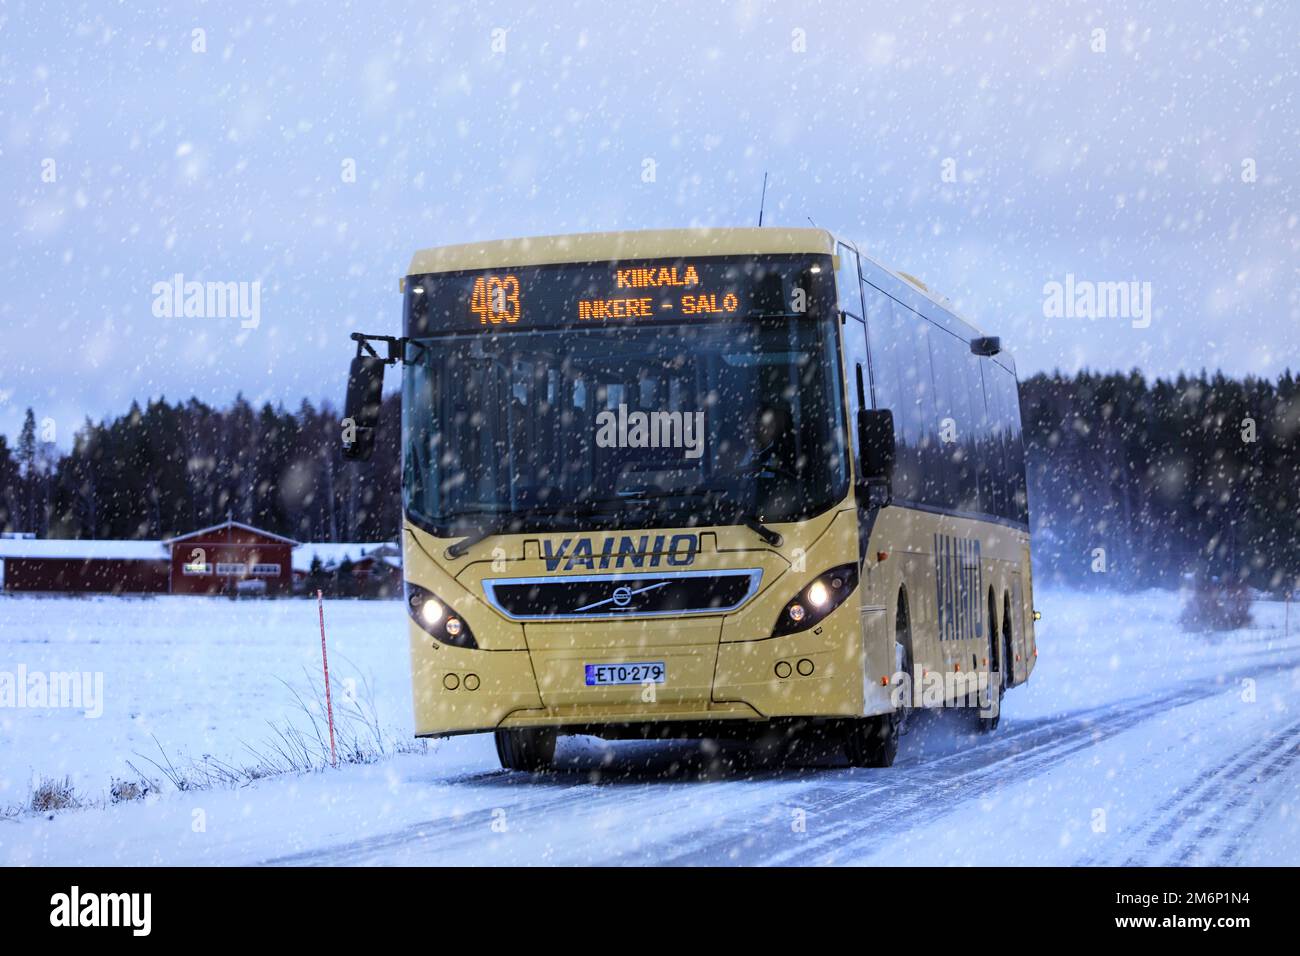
(750, 521)
(496, 524)
(499, 524)
(739, 512)
(746, 516)
(459, 548)
(640, 497)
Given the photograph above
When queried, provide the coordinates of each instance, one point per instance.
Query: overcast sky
(1169, 158)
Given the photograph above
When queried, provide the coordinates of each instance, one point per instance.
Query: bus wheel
(903, 660)
(531, 749)
(872, 741)
(1010, 666)
(993, 695)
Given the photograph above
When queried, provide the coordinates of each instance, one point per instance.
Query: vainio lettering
(627, 551)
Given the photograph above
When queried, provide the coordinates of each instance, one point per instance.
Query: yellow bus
(731, 483)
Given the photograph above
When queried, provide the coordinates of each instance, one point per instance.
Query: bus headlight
(437, 618)
(824, 594)
(430, 612)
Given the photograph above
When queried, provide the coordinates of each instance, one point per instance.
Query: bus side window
(967, 462)
(975, 424)
(901, 379)
(847, 283)
(995, 455)
(1018, 499)
(854, 335)
(855, 364)
(1005, 461)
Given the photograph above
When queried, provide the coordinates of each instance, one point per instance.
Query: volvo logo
(622, 596)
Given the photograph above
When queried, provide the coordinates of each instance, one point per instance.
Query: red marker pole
(329, 705)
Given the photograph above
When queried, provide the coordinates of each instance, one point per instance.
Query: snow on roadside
(1099, 647)
(204, 675)
(198, 677)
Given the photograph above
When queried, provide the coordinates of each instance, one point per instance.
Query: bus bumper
(828, 671)
(824, 672)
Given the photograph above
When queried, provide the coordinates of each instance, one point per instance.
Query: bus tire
(1007, 650)
(872, 741)
(903, 659)
(530, 749)
(986, 725)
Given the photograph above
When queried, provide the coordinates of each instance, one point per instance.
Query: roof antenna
(810, 219)
(762, 202)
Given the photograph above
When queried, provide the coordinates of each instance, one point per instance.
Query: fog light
(797, 612)
(453, 626)
(818, 595)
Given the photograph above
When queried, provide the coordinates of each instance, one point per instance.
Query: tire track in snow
(1228, 782)
(916, 795)
(926, 793)
(444, 834)
(1223, 803)
(571, 792)
(902, 797)
(887, 803)
(1216, 792)
(1235, 841)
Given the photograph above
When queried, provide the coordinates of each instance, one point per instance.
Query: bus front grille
(653, 594)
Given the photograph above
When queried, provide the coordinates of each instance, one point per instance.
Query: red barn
(231, 557)
(81, 566)
(227, 558)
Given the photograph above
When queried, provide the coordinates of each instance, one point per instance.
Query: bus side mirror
(361, 407)
(876, 446)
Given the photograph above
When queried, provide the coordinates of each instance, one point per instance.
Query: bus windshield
(671, 421)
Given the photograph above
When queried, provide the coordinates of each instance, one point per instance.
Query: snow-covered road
(1134, 743)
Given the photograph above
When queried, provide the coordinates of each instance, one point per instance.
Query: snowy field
(186, 679)
(1134, 743)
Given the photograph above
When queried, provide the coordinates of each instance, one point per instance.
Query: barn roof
(82, 549)
(229, 525)
(332, 553)
(85, 549)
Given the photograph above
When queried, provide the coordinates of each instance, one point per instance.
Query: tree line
(167, 469)
(1131, 483)
(1140, 484)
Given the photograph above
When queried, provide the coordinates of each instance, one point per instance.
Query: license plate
(601, 675)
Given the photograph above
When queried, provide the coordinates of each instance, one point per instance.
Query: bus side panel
(1027, 609)
(908, 538)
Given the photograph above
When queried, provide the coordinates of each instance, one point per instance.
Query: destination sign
(613, 293)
